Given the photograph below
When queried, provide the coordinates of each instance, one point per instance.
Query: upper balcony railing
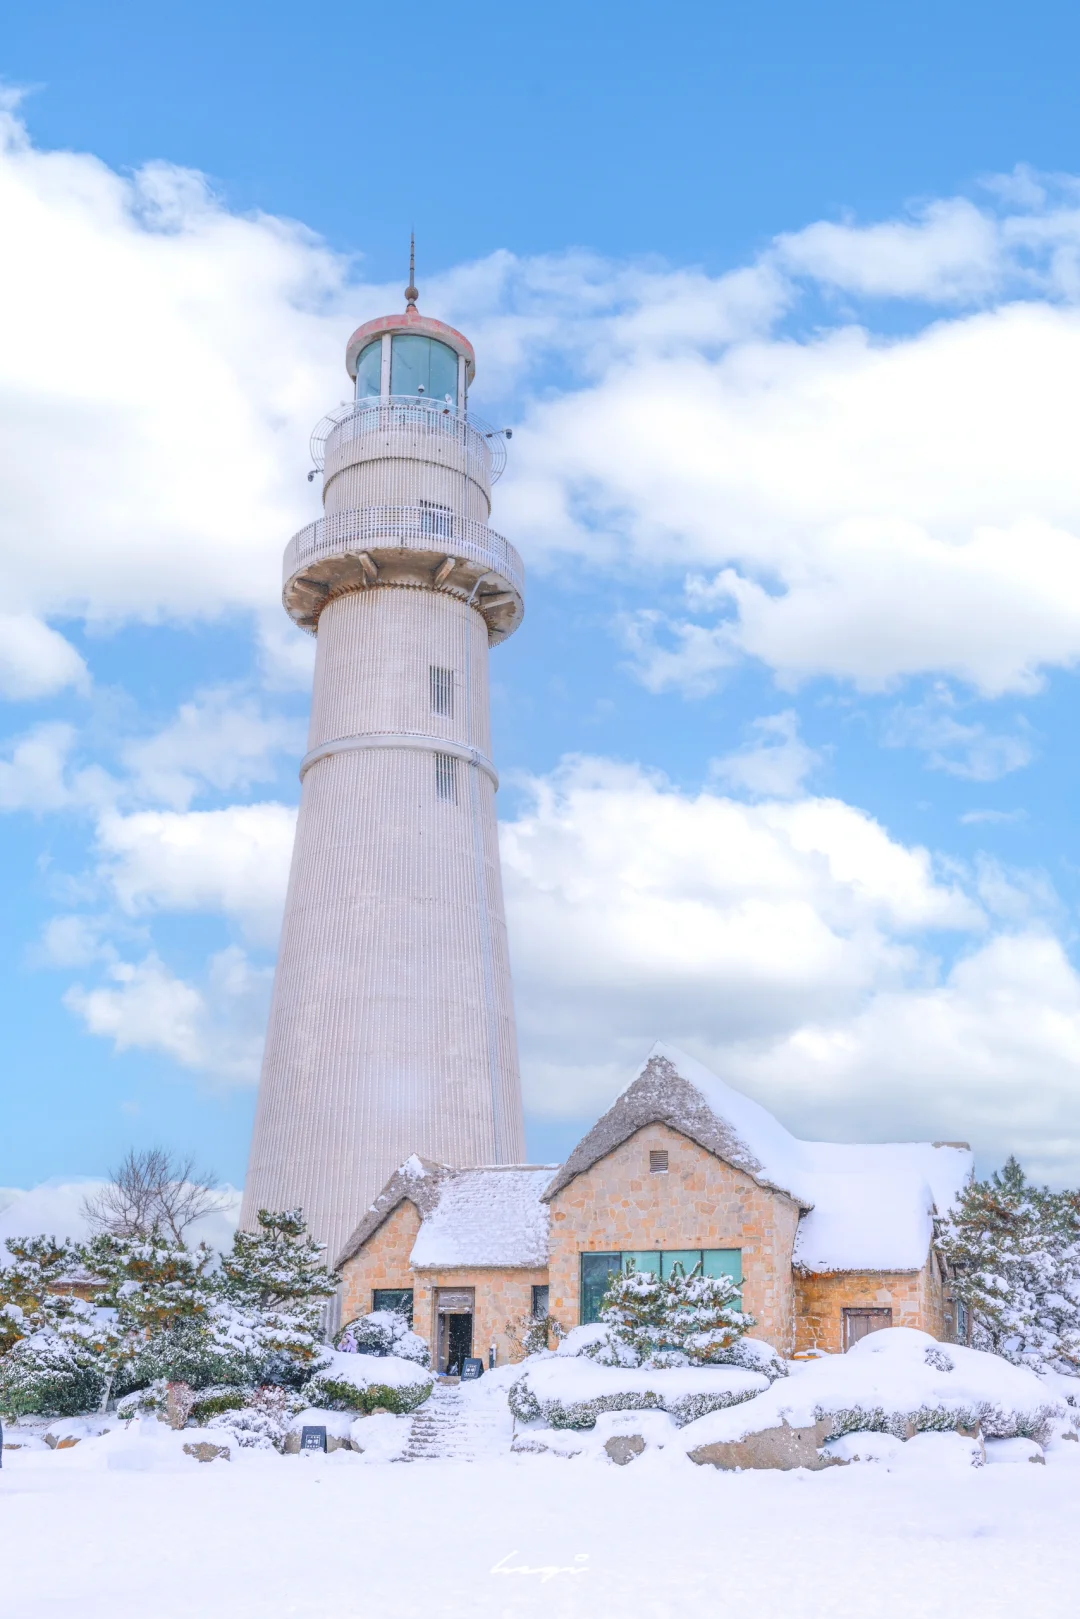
(407, 528)
(484, 447)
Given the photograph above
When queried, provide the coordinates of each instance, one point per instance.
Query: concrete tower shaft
(392, 1026)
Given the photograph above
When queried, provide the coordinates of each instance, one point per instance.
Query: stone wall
(501, 1296)
(916, 1299)
(701, 1202)
(383, 1261)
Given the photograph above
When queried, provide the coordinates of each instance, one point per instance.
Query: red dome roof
(410, 321)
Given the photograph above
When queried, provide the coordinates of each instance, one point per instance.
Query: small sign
(471, 1367)
(313, 1439)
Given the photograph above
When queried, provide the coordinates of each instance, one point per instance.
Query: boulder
(623, 1447)
(782, 1448)
(204, 1451)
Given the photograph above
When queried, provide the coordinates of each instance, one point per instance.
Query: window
(446, 778)
(369, 371)
(540, 1300)
(658, 1162)
(437, 519)
(859, 1324)
(442, 690)
(422, 365)
(398, 1299)
(597, 1269)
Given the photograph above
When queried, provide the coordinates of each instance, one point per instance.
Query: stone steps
(448, 1427)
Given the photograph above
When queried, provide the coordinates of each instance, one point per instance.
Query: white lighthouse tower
(392, 1026)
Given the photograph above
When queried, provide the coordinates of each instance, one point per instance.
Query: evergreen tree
(158, 1295)
(28, 1300)
(680, 1319)
(1014, 1250)
(275, 1287)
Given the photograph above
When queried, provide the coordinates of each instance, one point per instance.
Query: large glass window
(597, 1269)
(421, 365)
(369, 371)
(398, 1299)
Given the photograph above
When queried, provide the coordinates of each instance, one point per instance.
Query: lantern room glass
(369, 371)
(422, 365)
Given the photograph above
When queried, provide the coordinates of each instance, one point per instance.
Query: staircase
(459, 1425)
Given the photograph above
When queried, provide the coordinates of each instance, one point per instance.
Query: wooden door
(859, 1324)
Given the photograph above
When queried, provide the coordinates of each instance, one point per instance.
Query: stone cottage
(826, 1241)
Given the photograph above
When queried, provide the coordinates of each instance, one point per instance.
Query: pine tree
(275, 1286)
(674, 1320)
(1014, 1250)
(157, 1298)
(28, 1300)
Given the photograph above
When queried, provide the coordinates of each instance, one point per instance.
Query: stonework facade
(830, 1241)
(619, 1205)
(915, 1299)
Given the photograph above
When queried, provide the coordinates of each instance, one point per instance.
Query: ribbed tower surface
(392, 1025)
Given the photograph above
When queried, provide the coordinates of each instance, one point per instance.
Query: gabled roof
(864, 1207)
(488, 1216)
(417, 1181)
(672, 1089)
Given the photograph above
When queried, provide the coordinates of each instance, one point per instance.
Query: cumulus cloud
(216, 1027)
(775, 764)
(222, 739)
(35, 660)
(798, 948)
(967, 749)
(232, 862)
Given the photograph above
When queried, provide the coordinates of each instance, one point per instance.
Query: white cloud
(991, 1052)
(221, 739)
(951, 250)
(969, 750)
(33, 777)
(36, 661)
(216, 1028)
(636, 910)
(775, 765)
(233, 861)
(796, 947)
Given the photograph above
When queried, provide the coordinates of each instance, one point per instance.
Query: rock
(623, 1447)
(782, 1448)
(203, 1451)
(179, 1399)
(66, 1443)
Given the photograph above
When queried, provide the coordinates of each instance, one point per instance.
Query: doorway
(860, 1323)
(454, 1337)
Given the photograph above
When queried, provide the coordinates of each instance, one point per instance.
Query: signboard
(471, 1367)
(313, 1439)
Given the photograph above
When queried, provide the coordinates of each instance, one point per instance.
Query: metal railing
(483, 447)
(413, 528)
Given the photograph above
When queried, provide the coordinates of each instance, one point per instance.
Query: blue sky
(783, 308)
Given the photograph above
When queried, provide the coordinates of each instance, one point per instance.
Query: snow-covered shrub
(570, 1391)
(899, 1381)
(353, 1382)
(383, 1332)
(218, 1397)
(28, 1300)
(532, 1334)
(45, 1375)
(263, 1418)
(677, 1320)
(152, 1400)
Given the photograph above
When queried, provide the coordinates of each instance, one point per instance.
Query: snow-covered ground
(128, 1525)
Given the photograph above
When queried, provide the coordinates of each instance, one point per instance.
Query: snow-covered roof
(487, 1217)
(492, 1215)
(863, 1207)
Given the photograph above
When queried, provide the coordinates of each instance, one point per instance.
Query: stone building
(827, 1241)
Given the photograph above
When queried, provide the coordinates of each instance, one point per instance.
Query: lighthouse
(392, 1027)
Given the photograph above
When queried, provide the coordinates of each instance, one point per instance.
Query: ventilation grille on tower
(442, 690)
(446, 777)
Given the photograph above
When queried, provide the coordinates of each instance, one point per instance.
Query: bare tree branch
(153, 1188)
